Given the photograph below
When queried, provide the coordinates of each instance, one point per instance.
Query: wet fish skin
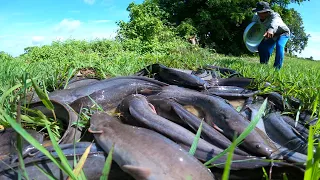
(173, 76)
(307, 119)
(110, 97)
(245, 162)
(235, 81)
(281, 152)
(221, 114)
(252, 109)
(92, 167)
(143, 153)
(182, 79)
(290, 155)
(8, 141)
(136, 111)
(66, 114)
(209, 133)
(68, 96)
(280, 132)
(300, 128)
(278, 101)
(229, 92)
(258, 174)
(80, 83)
(164, 109)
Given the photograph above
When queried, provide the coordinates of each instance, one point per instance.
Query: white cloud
(101, 21)
(67, 25)
(89, 1)
(37, 40)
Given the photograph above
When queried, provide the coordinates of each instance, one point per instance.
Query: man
(277, 34)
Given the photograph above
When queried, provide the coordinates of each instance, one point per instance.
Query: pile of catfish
(151, 118)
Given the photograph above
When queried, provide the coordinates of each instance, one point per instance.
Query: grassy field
(53, 64)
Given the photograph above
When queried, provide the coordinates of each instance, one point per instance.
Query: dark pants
(266, 48)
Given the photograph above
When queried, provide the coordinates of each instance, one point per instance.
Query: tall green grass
(53, 65)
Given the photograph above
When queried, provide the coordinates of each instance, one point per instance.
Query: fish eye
(258, 146)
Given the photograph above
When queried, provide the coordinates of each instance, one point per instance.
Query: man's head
(263, 9)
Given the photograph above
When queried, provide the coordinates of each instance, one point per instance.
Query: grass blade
(31, 140)
(70, 73)
(196, 140)
(81, 162)
(43, 96)
(45, 173)
(244, 134)
(309, 168)
(226, 170)
(19, 145)
(316, 159)
(58, 150)
(107, 165)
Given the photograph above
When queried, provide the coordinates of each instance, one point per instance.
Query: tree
(220, 23)
(299, 39)
(146, 23)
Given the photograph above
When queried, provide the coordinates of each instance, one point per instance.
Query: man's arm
(276, 21)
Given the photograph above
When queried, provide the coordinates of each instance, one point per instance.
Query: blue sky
(310, 13)
(38, 22)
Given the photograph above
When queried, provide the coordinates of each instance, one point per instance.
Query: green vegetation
(151, 37)
(298, 77)
(219, 24)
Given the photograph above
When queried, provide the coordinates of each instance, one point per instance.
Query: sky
(310, 13)
(39, 22)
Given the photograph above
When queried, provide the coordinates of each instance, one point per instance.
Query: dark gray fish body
(8, 141)
(303, 131)
(240, 162)
(206, 74)
(280, 132)
(64, 113)
(251, 110)
(173, 76)
(239, 82)
(145, 154)
(219, 112)
(208, 133)
(92, 168)
(277, 173)
(229, 92)
(277, 100)
(80, 83)
(164, 109)
(306, 118)
(136, 111)
(111, 95)
(69, 95)
(290, 155)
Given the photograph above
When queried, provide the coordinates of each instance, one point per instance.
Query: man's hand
(268, 35)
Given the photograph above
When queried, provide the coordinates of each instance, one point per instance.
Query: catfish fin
(140, 173)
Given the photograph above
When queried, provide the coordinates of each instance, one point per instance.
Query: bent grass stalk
(244, 134)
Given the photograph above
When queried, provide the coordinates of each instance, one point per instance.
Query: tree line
(217, 24)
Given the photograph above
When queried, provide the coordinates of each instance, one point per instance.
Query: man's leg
(281, 43)
(265, 50)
